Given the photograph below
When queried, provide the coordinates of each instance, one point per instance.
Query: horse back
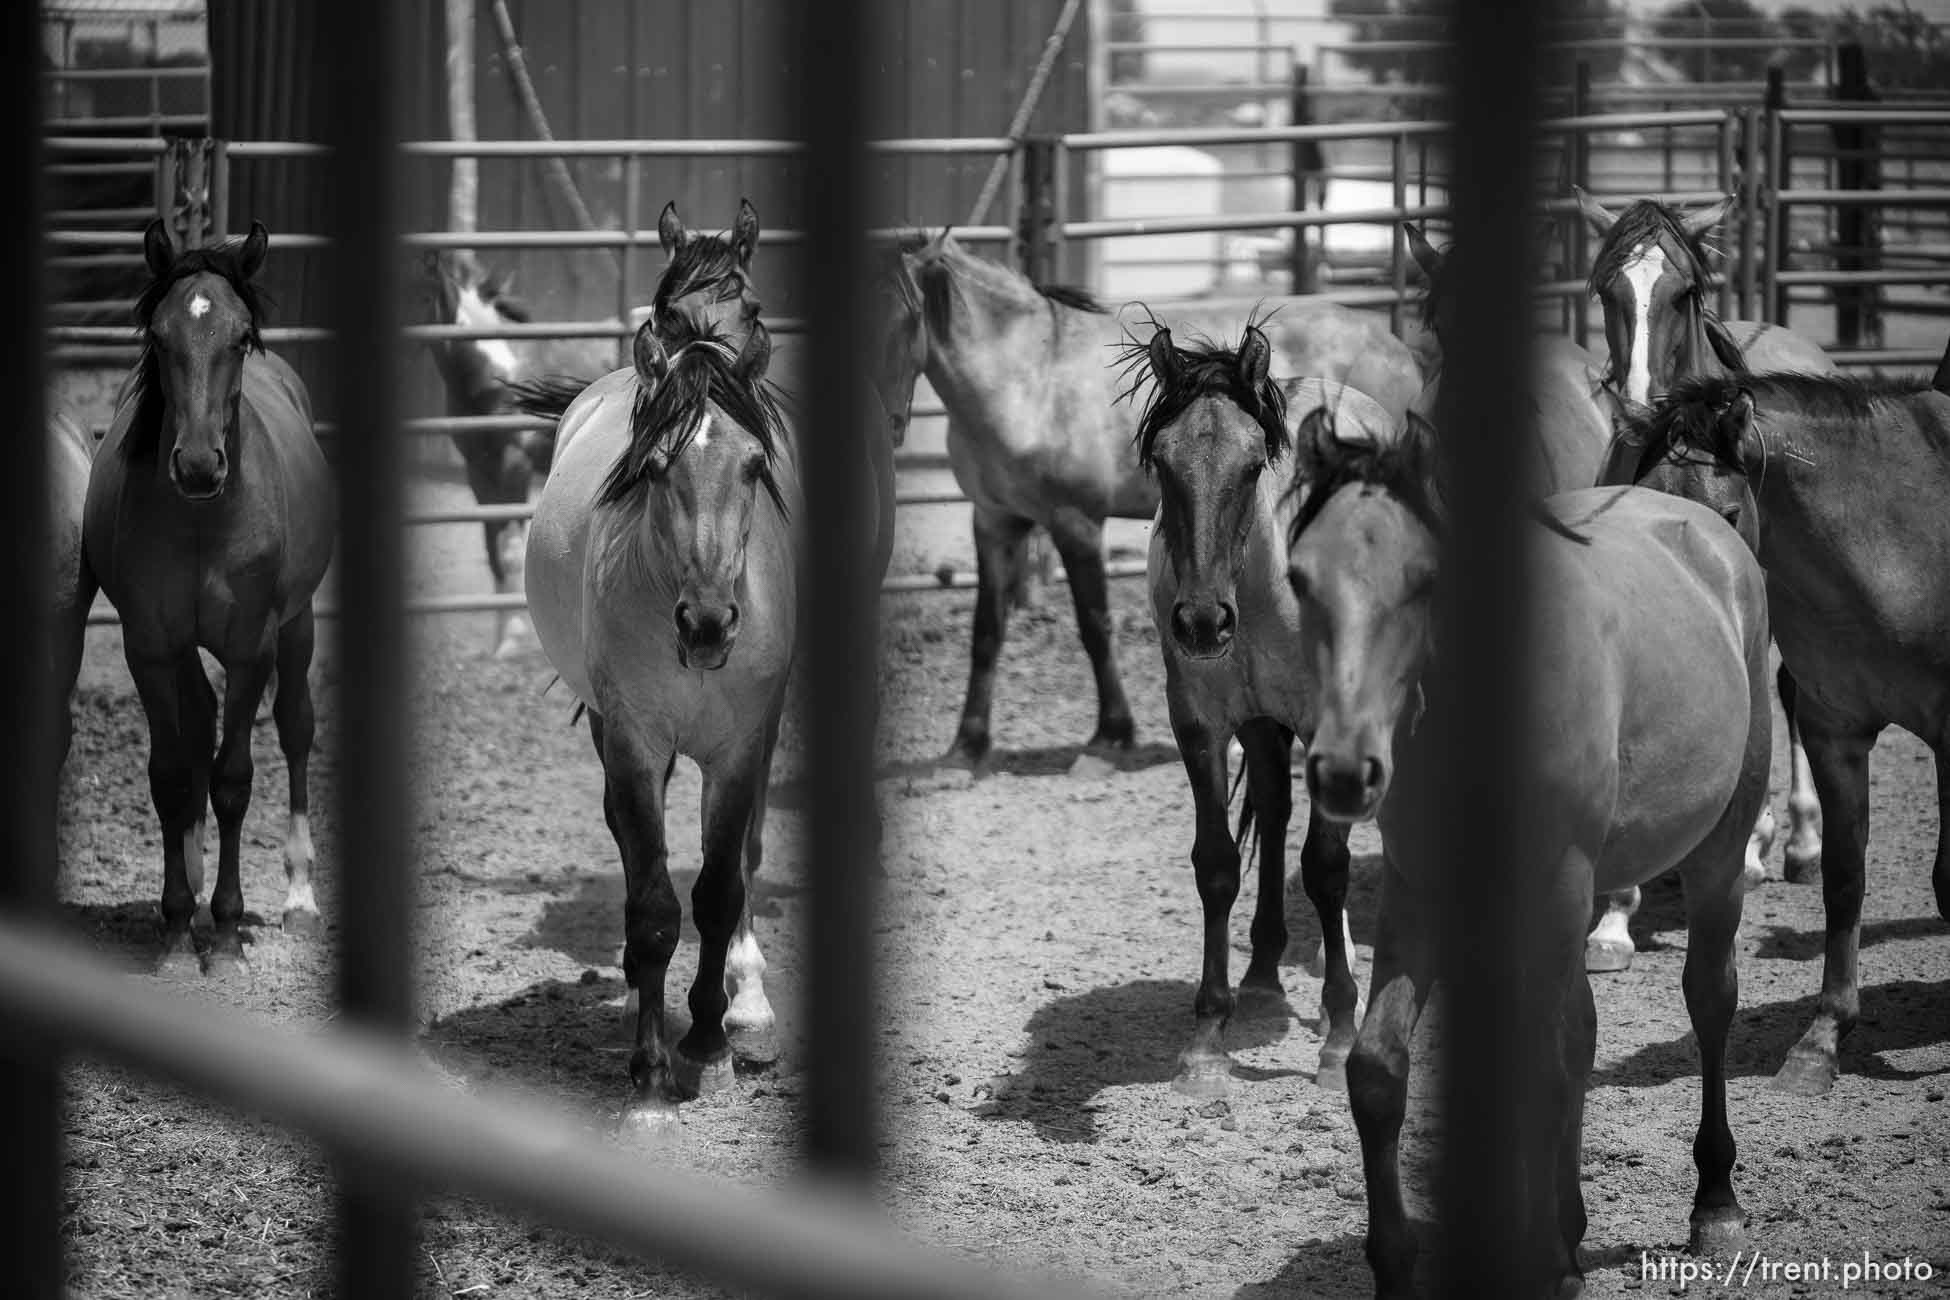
(1772, 349)
(1651, 673)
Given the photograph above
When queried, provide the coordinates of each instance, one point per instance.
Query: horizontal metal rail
(375, 1106)
(662, 148)
(505, 239)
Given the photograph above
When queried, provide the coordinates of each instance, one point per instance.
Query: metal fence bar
(365, 1097)
(1482, 898)
(361, 41)
(30, 1076)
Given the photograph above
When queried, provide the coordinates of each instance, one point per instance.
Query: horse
(1846, 477)
(1036, 436)
(662, 577)
(71, 454)
(1211, 429)
(209, 523)
(1650, 638)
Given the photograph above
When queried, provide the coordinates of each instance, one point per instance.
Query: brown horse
(1036, 436)
(209, 524)
(1650, 641)
(1847, 479)
(1214, 435)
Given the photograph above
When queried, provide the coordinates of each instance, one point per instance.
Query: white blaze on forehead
(199, 306)
(472, 312)
(1642, 274)
(704, 430)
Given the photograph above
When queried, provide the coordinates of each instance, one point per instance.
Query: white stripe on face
(704, 430)
(471, 311)
(1642, 274)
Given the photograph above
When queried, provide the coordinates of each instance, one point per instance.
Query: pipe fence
(1736, 152)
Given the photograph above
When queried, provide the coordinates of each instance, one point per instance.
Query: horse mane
(696, 263)
(225, 260)
(1399, 466)
(1204, 368)
(665, 416)
(1071, 296)
(936, 285)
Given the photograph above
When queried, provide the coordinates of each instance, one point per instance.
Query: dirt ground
(1039, 943)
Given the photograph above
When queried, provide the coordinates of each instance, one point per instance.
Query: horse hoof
(1752, 877)
(1204, 1078)
(303, 923)
(695, 1078)
(179, 962)
(1332, 1074)
(1570, 1287)
(228, 966)
(959, 758)
(756, 1046)
(1806, 1074)
(1719, 1235)
(1092, 766)
(1607, 956)
(1801, 866)
(650, 1123)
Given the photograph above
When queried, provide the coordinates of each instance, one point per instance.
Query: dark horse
(1848, 480)
(209, 525)
(1647, 750)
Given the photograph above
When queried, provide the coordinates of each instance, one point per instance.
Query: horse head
(199, 319)
(1362, 560)
(707, 279)
(1700, 443)
(900, 336)
(705, 437)
(1212, 424)
(1650, 276)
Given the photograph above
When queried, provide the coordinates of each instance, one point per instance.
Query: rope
(555, 168)
(1027, 109)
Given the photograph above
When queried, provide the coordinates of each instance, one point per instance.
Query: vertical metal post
(220, 190)
(1780, 177)
(1035, 240)
(30, 1073)
(361, 41)
(1723, 137)
(839, 643)
(1398, 265)
(1749, 209)
(632, 218)
(1485, 889)
(1306, 167)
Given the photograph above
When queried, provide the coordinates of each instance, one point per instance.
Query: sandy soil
(1040, 947)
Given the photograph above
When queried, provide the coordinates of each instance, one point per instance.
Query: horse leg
(1578, 1049)
(1712, 984)
(1802, 857)
(296, 726)
(1557, 993)
(748, 1020)
(230, 797)
(1324, 872)
(517, 634)
(718, 907)
(633, 805)
(1377, 1078)
(1839, 760)
(481, 454)
(1940, 874)
(999, 545)
(1609, 946)
(175, 724)
(1080, 541)
(70, 643)
(1204, 1068)
(1269, 783)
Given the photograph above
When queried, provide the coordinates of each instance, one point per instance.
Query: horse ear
(651, 361)
(1422, 250)
(1255, 359)
(1737, 427)
(744, 232)
(156, 248)
(1698, 223)
(670, 228)
(1318, 444)
(1594, 212)
(251, 256)
(1164, 358)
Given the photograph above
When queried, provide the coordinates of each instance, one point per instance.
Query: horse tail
(546, 398)
(1246, 826)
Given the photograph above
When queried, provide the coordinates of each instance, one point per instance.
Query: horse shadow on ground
(1114, 1036)
(1334, 1269)
(1048, 760)
(558, 1039)
(1787, 943)
(1896, 1016)
(130, 933)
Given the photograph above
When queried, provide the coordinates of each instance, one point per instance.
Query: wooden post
(1780, 176)
(464, 182)
(1307, 166)
(1858, 167)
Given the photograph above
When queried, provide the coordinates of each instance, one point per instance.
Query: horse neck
(988, 303)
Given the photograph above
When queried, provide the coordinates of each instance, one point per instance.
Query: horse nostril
(1371, 771)
(1226, 622)
(685, 627)
(1316, 771)
(730, 620)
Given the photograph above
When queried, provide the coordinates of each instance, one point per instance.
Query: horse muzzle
(1203, 631)
(705, 634)
(199, 475)
(1346, 788)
